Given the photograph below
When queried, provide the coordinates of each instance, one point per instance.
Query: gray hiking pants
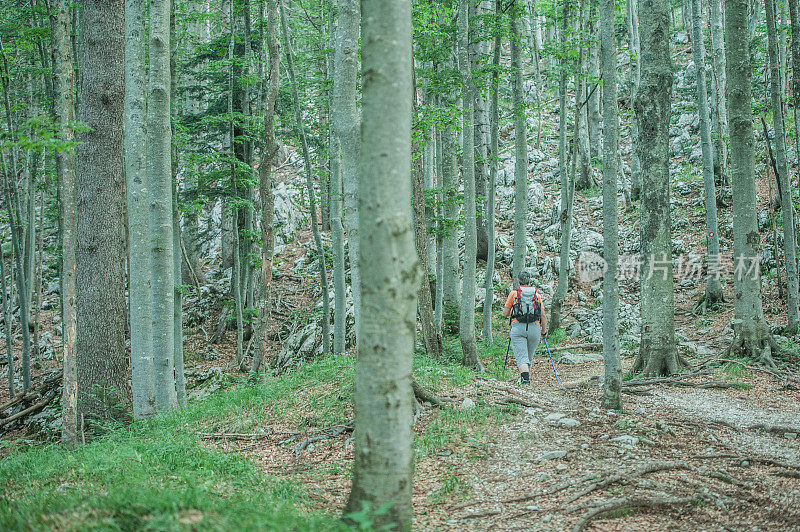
(524, 342)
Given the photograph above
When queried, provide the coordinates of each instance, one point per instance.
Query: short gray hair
(524, 277)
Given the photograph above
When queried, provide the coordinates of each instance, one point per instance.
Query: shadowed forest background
(254, 256)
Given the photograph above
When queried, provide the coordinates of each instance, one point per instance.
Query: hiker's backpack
(526, 305)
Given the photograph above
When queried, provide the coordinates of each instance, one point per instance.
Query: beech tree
(713, 292)
(658, 353)
(140, 263)
(382, 471)
(521, 145)
(612, 383)
(751, 335)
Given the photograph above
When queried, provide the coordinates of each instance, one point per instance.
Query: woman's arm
(544, 323)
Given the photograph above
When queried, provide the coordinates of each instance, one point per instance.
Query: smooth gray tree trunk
(658, 352)
(384, 457)
(787, 204)
(634, 44)
(490, 199)
(102, 360)
(5, 300)
(469, 348)
(450, 300)
(612, 381)
(63, 85)
(794, 17)
(751, 335)
(159, 182)
(713, 293)
(344, 117)
(138, 205)
(718, 63)
(521, 144)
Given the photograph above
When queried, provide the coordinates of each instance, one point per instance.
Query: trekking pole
(551, 362)
(506, 360)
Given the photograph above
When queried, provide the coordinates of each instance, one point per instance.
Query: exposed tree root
(425, 396)
(625, 477)
(752, 339)
(708, 302)
(776, 373)
(634, 503)
(510, 399)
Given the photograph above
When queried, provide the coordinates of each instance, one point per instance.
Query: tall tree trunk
(713, 294)
(140, 262)
(787, 205)
(794, 17)
(177, 308)
(658, 353)
(450, 301)
(718, 63)
(344, 118)
(326, 312)
(567, 185)
(63, 85)
(159, 180)
(439, 298)
(102, 365)
(467, 316)
(270, 150)
(521, 144)
(634, 44)
(751, 334)
(480, 127)
(384, 459)
(494, 121)
(612, 383)
(593, 109)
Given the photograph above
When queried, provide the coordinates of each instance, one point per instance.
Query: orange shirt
(513, 295)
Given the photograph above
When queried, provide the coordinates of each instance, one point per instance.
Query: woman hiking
(528, 323)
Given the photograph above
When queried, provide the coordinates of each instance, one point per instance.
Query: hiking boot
(523, 381)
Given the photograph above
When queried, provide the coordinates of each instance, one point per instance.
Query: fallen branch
(624, 502)
(625, 477)
(581, 347)
(31, 409)
(32, 393)
(327, 434)
(232, 436)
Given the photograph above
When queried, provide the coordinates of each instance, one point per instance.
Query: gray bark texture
(794, 17)
(159, 183)
(490, 197)
(787, 205)
(469, 348)
(344, 116)
(718, 63)
(658, 352)
(63, 84)
(713, 294)
(634, 44)
(521, 144)
(612, 382)
(450, 300)
(138, 205)
(326, 312)
(384, 459)
(101, 361)
(751, 334)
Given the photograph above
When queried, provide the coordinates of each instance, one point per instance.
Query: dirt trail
(704, 439)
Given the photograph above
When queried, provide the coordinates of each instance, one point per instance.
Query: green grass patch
(464, 427)
(152, 475)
